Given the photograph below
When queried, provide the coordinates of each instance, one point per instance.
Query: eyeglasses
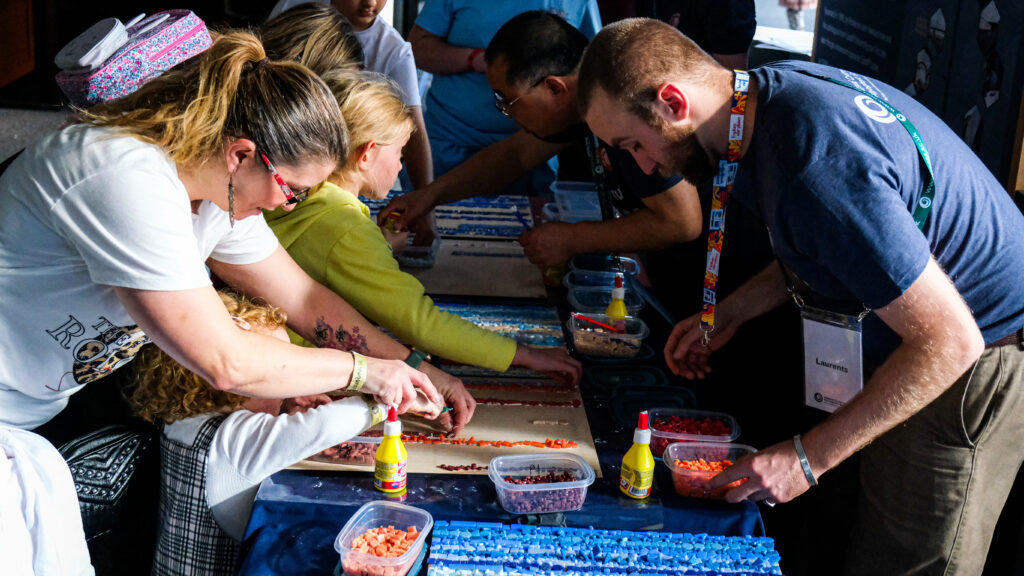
(506, 107)
(293, 196)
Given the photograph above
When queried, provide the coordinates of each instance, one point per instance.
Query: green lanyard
(924, 204)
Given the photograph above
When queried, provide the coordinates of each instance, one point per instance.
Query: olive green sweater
(331, 236)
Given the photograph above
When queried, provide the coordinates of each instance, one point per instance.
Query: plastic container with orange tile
(379, 514)
(690, 483)
(703, 420)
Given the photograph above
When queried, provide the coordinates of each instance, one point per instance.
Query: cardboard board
(508, 423)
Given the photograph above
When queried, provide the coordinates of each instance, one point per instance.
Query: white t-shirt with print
(81, 212)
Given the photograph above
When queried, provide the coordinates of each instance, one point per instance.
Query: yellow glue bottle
(638, 463)
(390, 460)
(616, 309)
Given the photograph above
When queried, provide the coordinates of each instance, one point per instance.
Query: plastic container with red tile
(541, 498)
(701, 426)
(375, 515)
(690, 483)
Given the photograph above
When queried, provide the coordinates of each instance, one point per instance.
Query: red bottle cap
(642, 425)
(393, 414)
(618, 280)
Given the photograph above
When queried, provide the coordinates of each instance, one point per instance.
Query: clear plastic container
(541, 498)
(551, 213)
(690, 483)
(589, 300)
(593, 340)
(660, 439)
(591, 279)
(576, 201)
(375, 515)
(600, 262)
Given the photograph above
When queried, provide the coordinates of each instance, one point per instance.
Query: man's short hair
(632, 58)
(537, 44)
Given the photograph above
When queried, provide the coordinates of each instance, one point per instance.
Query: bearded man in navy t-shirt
(919, 241)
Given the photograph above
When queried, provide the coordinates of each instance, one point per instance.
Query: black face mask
(570, 134)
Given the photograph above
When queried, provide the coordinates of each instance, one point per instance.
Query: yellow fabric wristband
(378, 412)
(358, 372)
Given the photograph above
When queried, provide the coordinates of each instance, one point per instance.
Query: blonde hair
(232, 91)
(632, 58)
(372, 109)
(314, 35)
(162, 389)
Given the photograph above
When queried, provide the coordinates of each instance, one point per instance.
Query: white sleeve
(250, 241)
(133, 228)
(249, 446)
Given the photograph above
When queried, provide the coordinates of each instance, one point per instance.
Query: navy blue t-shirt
(835, 179)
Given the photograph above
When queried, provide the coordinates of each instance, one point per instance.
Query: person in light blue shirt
(448, 40)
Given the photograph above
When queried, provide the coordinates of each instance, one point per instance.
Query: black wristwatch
(416, 357)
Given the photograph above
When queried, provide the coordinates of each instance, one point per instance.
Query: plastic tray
(622, 378)
(690, 483)
(625, 406)
(540, 498)
(591, 279)
(576, 201)
(592, 340)
(374, 515)
(590, 300)
(600, 262)
(661, 439)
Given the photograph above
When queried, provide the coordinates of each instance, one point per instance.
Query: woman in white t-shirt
(105, 228)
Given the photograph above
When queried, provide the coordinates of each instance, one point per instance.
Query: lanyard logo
(873, 110)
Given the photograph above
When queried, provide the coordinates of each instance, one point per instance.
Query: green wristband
(416, 357)
(803, 461)
(358, 372)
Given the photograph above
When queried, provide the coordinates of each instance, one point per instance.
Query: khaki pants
(933, 487)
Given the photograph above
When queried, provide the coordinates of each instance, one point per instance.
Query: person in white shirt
(107, 228)
(216, 447)
(388, 53)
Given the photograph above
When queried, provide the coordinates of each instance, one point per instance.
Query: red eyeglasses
(293, 196)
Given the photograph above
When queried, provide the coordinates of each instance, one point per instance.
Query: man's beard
(685, 156)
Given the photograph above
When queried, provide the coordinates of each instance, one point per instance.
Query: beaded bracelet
(803, 461)
(358, 372)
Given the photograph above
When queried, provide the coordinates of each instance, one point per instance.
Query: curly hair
(162, 389)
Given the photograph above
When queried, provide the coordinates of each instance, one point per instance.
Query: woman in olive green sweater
(332, 237)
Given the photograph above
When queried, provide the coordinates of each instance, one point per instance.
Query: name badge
(833, 371)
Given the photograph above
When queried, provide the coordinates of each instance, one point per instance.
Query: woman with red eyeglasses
(109, 226)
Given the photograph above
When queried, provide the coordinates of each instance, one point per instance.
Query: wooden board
(496, 422)
(488, 268)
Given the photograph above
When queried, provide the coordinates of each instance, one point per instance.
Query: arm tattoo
(324, 336)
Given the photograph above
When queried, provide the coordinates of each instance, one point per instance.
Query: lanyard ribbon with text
(727, 176)
(720, 195)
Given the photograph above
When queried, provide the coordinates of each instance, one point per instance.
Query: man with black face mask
(534, 82)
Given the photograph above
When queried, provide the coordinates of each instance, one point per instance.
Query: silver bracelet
(803, 461)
